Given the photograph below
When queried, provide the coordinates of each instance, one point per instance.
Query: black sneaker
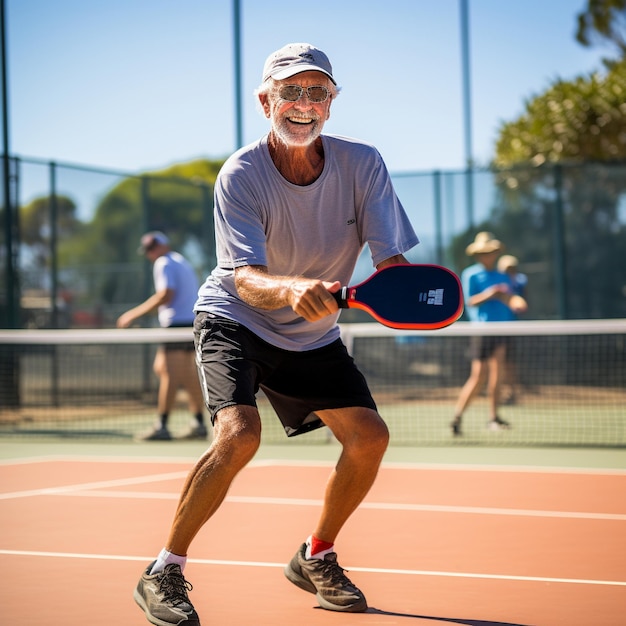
(156, 433)
(163, 597)
(196, 432)
(498, 423)
(326, 579)
(455, 426)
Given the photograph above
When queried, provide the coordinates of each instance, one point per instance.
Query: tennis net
(570, 383)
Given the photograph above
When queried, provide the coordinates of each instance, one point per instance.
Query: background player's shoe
(498, 424)
(157, 433)
(196, 432)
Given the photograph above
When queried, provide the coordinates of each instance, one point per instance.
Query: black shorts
(234, 363)
(482, 348)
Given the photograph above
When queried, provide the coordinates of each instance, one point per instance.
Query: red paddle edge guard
(345, 297)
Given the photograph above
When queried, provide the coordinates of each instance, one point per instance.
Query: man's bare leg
(364, 437)
(237, 435)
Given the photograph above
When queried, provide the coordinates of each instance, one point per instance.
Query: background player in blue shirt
(489, 297)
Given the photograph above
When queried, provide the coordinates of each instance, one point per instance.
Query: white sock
(165, 558)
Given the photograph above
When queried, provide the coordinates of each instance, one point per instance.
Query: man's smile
(301, 120)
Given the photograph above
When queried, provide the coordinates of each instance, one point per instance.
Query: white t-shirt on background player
(173, 271)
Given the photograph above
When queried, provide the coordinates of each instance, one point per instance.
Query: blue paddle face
(409, 296)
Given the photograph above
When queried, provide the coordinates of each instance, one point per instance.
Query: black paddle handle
(341, 297)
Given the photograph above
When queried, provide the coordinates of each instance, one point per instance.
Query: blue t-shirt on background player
(476, 279)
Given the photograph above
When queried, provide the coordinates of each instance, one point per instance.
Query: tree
(579, 120)
(177, 200)
(562, 178)
(36, 230)
(35, 217)
(174, 200)
(604, 21)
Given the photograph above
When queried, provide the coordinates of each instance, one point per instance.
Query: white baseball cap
(295, 58)
(149, 240)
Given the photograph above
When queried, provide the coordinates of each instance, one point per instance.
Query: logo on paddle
(433, 296)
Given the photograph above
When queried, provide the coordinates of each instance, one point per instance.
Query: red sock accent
(317, 545)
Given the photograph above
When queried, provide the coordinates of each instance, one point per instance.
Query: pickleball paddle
(412, 297)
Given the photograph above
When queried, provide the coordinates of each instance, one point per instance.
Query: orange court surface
(434, 543)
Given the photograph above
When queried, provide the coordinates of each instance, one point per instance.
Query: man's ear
(265, 104)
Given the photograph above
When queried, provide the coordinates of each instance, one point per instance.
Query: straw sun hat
(484, 243)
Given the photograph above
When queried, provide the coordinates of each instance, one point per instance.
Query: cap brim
(288, 72)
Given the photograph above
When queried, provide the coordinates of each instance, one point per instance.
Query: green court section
(454, 455)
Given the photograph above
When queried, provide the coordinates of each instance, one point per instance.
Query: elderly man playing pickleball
(293, 211)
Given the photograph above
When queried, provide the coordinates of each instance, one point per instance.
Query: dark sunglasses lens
(291, 93)
(317, 94)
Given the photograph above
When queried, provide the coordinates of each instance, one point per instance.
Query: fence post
(467, 112)
(147, 279)
(237, 55)
(10, 309)
(54, 288)
(145, 227)
(207, 230)
(54, 242)
(10, 209)
(558, 236)
(9, 362)
(438, 222)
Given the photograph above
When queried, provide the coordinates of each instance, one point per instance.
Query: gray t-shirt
(315, 231)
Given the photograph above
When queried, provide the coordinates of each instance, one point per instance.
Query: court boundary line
(116, 482)
(371, 570)
(378, 506)
(98, 489)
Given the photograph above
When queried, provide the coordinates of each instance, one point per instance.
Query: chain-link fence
(68, 245)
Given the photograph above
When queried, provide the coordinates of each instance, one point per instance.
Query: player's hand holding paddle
(313, 299)
(407, 296)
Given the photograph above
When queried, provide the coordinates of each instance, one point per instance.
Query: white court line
(371, 570)
(68, 489)
(379, 506)
(437, 508)
(456, 467)
(64, 458)
(88, 490)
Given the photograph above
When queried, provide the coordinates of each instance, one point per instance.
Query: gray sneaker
(196, 432)
(158, 433)
(163, 597)
(326, 579)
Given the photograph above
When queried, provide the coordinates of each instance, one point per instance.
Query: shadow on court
(448, 620)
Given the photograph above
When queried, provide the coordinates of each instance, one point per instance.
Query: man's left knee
(375, 432)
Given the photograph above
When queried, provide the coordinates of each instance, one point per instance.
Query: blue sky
(140, 84)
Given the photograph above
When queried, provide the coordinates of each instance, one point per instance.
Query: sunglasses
(293, 93)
